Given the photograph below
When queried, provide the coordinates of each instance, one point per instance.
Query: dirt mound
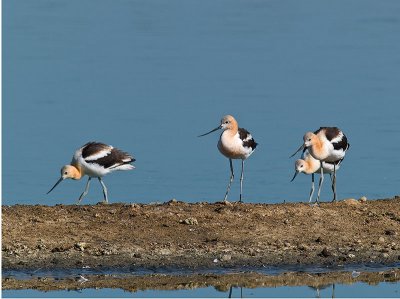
(183, 235)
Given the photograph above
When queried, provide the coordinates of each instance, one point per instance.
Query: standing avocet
(309, 165)
(234, 143)
(95, 160)
(327, 144)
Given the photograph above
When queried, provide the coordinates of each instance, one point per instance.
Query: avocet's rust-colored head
(228, 122)
(299, 166)
(67, 172)
(309, 138)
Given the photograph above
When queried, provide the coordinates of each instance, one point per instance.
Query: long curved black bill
(213, 130)
(300, 148)
(59, 181)
(295, 174)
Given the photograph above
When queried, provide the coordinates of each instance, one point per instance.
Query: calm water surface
(338, 289)
(149, 76)
(360, 290)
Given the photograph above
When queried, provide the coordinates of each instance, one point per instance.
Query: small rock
(80, 246)
(165, 251)
(318, 239)
(137, 255)
(226, 257)
(59, 249)
(286, 221)
(172, 202)
(252, 252)
(390, 232)
(97, 215)
(112, 212)
(385, 255)
(287, 244)
(325, 252)
(363, 199)
(351, 202)
(215, 261)
(41, 246)
(381, 240)
(189, 221)
(303, 247)
(350, 255)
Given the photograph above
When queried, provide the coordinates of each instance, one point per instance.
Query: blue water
(354, 289)
(149, 76)
(360, 290)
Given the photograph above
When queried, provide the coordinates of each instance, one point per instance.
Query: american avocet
(327, 144)
(95, 160)
(234, 143)
(309, 165)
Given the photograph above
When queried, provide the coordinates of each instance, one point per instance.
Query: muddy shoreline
(180, 235)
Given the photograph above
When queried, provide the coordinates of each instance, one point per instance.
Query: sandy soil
(201, 235)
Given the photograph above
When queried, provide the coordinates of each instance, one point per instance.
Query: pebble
(165, 251)
(215, 260)
(325, 252)
(80, 246)
(381, 240)
(351, 255)
(302, 247)
(172, 202)
(286, 221)
(385, 255)
(189, 221)
(351, 201)
(226, 257)
(390, 232)
(363, 199)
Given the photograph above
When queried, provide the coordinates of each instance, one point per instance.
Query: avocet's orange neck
(317, 148)
(312, 165)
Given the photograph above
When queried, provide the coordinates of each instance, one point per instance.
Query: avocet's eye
(301, 166)
(227, 122)
(309, 139)
(66, 172)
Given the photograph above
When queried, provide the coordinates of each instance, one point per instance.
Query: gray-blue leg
(321, 179)
(84, 192)
(334, 183)
(230, 180)
(104, 190)
(312, 188)
(241, 182)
